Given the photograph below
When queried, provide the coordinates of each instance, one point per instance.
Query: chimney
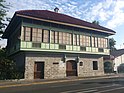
(56, 10)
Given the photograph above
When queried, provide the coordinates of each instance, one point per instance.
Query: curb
(19, 84)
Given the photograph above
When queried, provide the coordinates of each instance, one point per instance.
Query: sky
(109, 13)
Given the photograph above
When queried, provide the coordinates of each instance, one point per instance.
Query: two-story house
(47, 44)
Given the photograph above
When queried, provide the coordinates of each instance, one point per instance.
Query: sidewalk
(14, 83)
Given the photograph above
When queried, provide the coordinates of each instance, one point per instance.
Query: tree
(112, 44)
(8, 69)
(3, 13)
(4, 64)
(95, 22)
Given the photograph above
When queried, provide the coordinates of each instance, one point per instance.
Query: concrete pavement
(15, 83)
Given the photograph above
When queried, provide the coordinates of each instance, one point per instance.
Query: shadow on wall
(121, 68)
(108, 67)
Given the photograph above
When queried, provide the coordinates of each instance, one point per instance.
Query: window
(65, 38)
(102, 43)
(31, 34)
(55, 63)
(76, 39)
(81, 63)
(95, 65)
(81, 40)
(26, 34)
(94, 42)
(84, 40)
(36, 35)
(105, 43)
(69, 38)
(45, 35)
(54, 37)
(60, 38)
(99, 42)
(23, 34)
(87, 40)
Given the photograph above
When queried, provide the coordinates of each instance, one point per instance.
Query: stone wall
(53, 67)
(87, 68)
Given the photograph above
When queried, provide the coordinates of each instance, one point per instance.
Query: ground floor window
(95, 65)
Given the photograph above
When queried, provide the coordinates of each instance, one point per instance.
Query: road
(110, 85)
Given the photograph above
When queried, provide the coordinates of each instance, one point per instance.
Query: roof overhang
(7, 30)
(68, 24)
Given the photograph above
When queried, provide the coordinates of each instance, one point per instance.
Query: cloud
(108, 12)
(117, 15)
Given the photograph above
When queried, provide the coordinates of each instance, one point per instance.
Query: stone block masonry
(55, 68)
(87, 68)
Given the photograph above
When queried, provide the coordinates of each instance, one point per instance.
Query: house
(118, 60)
(47, 45)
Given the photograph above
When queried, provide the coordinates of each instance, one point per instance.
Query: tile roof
(118, 52)
(49, 15)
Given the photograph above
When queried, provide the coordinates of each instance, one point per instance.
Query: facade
(118, 60)
(48, 45)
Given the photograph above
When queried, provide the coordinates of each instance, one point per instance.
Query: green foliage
(3, 11)
(112, 44)
(8, 68)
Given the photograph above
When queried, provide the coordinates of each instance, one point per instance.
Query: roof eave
(4, 36)
(25, 16)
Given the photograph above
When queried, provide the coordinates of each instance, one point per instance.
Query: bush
(8, 68)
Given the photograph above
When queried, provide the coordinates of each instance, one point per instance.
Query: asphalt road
(113, 85)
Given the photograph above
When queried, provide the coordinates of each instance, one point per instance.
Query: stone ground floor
(36, 65)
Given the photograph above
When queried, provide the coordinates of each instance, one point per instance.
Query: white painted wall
(117, 61)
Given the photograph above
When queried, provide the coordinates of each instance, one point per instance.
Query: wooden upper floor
(25, 33)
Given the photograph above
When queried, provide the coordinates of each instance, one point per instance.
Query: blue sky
(110, 13)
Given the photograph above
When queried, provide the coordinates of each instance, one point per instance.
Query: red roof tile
(49, 15)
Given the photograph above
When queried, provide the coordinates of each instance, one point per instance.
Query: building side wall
(87, 68)
(51, 70)
(117, 61)
(20, 63)
(55, 68)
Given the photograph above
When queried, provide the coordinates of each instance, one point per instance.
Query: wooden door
(39, 70)
(71, 68)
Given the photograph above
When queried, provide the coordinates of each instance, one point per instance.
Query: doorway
(108, 67)
(39, 70)
(71, 68)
